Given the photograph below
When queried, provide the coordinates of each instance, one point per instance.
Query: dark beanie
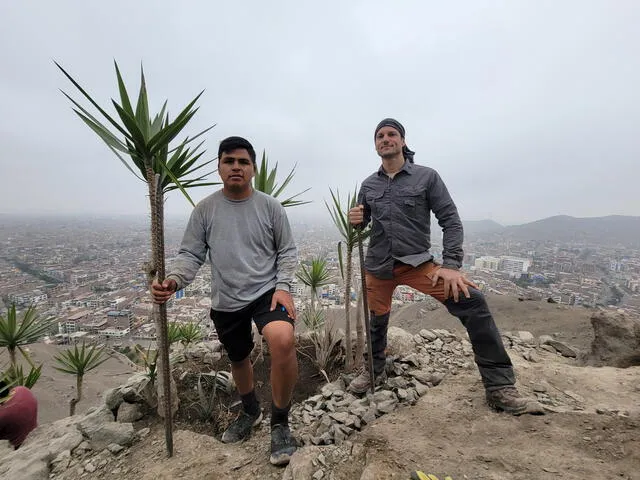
(393, 123)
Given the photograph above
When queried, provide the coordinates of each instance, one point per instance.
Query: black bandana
(390, 122)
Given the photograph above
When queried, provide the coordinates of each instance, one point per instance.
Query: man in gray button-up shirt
(398, 200)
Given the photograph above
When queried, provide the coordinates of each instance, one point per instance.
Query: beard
(390, 153)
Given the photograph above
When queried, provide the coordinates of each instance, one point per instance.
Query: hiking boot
(508, 399)
(283, 445)
(362, 382)
(241, 427)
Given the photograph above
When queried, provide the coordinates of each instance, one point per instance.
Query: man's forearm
(286, 264)
(452, 252)
(184, 269)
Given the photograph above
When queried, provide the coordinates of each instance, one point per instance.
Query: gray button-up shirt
(400, 208)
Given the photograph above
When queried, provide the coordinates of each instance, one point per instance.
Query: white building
(514, 266)
(114, 332)
(487, 263)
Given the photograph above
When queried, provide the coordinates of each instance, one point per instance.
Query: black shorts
(234, 328)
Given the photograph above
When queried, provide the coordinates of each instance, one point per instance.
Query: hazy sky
(526, 108)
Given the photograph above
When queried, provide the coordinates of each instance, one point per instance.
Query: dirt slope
(450, 431)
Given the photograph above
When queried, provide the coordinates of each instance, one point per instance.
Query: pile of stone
(415, 363)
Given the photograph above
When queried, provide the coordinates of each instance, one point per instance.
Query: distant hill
(479, 227)
(609, 230)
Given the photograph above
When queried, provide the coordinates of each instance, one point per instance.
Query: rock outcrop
(616, 340)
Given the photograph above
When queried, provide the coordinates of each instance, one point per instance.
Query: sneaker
(283, 445)
(508, 399)
(241, 427)
(362, 382)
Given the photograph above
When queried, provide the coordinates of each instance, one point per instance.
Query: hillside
(609, 230)
(590, 429)
(54, 390)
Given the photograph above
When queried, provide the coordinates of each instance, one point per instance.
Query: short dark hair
(230, 144)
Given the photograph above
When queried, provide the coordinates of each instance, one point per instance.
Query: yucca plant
(223, 379)
(265, 181)
(321, 332)
(78, 361)
(313, 319)
(174, 332)
(145, 139)
(149, 359)
(206, 403)
(314, 276)
(324, 339)
(190, 333)
(339, 212)
(16, 333)
(14, 376)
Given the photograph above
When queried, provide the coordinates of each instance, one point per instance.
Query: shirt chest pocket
(410, 199)
(378, 203)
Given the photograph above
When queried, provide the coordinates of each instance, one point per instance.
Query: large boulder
(616, 340)
(399, 341)
(138, 389)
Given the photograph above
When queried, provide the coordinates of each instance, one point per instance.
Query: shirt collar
(407, 167)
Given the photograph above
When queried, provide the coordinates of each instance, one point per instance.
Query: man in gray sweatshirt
(398, 199)
(246, 236)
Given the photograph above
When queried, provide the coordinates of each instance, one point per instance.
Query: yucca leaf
(103, 133)
(191, 139)
(285, 182)
(104, 129)
(290, 202)
(177, 183)
(167, 134)
(161, 138)
(134, 129)
(156, 124)
(142, 108)
(124, 96)
(125, 163)
(88, 97)
(208, 184)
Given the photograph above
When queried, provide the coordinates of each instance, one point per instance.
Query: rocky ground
(431, 416)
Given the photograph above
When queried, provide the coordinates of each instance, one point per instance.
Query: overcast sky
(527, 109)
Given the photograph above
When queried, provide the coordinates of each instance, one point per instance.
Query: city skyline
(526, 111)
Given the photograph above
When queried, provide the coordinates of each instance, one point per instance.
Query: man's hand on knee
(285, 299)
(454, 282)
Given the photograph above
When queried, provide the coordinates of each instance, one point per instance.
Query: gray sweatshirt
(249, 244)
